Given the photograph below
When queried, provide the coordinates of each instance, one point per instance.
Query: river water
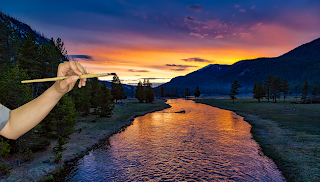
(203, 144)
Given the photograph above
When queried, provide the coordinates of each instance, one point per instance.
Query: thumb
(66, 83)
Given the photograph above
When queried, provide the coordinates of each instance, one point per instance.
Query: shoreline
(79, 144)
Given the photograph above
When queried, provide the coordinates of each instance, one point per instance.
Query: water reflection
(205, 143)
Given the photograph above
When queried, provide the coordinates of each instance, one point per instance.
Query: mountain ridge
(298, 65)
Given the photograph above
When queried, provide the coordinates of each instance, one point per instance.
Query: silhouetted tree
(315, 91)
(187, 92)
(267, 87)
(234, 90)
(305, 91)
(296, 88)
(258, 91)
(140, 94)
(95, 90)
(106, 104)
(285, 88)
(149, 92)
(61, 120)
(276, 88)
(197, 92)
(117, 89)
(162, 93)
(82, 98)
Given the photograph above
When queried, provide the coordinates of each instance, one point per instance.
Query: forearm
(29, 115)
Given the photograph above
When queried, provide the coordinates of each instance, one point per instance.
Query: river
(203, 144)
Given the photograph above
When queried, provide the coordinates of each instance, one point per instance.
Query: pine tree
(149, 92)
(267, 87)
(117, 89)
(162, 92)
(315, 91)
(61, 119)
(234, 90)
(13, 93)
(197, 92)
(285, 88)
(258, 91)
(106, 103)
(82, 98)
(95, 90)
(276, 88)
(140, 93)
(305, 91)
(187, 92)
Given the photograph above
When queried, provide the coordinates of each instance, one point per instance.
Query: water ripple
(202, 144)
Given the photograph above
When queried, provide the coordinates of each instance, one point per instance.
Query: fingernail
(74, 78)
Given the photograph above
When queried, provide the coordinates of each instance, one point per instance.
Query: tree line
(273, 89)
(174, 92)
(144, 91)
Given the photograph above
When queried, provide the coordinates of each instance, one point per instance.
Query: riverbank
(79, 143)
(287, 133)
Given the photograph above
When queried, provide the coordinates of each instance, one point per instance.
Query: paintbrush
(61, 78)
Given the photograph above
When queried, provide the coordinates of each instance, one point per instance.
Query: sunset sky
(160, 40)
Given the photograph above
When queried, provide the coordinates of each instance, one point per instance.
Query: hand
(72, 69)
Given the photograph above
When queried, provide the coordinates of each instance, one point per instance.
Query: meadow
(287, 133)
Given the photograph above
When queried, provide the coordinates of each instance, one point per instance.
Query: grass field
(299, 117)
(287, 133)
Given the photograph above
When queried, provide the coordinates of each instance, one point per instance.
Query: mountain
(298, 65)
(22, 28)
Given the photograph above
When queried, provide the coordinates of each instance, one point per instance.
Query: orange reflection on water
(204, 143)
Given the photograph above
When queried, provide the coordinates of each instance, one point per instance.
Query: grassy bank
(93, 131)
(287, 133)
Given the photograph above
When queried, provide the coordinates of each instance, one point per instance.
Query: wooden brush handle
(59, 78)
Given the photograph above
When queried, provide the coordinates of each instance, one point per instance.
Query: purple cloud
(195, 59)
(195, 7)
(181, 66)
(141, 71)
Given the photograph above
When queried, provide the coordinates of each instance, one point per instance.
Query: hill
(298, 65)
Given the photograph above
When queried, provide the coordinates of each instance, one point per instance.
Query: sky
(160, 40)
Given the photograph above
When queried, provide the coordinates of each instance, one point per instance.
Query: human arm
(24, 118)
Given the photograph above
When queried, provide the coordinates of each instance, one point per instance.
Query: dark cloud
(132, 70)
(197, 60)
(86, 57)
(181, 66)
(189, 18)
(180, 69)
(195, 7)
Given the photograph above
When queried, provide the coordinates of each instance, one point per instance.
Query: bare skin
(26, 117)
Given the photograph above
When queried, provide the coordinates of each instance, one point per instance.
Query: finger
(82, 81)
(63, 68)
(74, 67)
(80, 84)
(80, 68)
(68, 83)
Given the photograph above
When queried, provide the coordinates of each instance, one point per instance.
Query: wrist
(55, 91)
